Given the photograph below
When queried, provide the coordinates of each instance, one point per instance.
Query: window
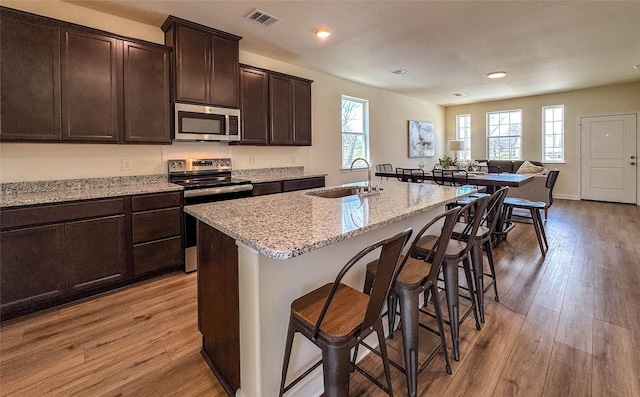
(463, 133)
(553, 133)
(355, 131)
(504, 132)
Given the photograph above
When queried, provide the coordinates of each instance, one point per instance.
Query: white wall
(389, 114)
(621, 98)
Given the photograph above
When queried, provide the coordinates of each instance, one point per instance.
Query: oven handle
(217, 190)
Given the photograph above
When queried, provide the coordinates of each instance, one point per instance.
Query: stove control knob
(174, 164)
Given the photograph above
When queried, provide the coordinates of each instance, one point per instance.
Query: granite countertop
(260, 175)
(286, 225)
(45, 192)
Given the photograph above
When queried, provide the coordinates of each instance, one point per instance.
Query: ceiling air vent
(262, 17)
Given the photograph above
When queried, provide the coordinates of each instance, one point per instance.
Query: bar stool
(458, 250)
(483, 241)
(415, 277)
(336, 318)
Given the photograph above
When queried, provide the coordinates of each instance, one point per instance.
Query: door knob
(633, 157)
(633, 163)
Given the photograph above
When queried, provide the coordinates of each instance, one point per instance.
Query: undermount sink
(340, 192)
(336, 193)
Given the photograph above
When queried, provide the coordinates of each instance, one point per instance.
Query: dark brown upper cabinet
(205, 63)
(29, 78)
(254, 106)
(62, 82)
(90, 95)
(275, 108)
(147, 92)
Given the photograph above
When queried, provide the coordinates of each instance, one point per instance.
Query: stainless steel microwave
(206, 123)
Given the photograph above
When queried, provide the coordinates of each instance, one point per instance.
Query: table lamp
(455, 147)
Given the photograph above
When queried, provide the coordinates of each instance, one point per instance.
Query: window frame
(364, 134)
(553, 134)
(520, 149)
(466, 153)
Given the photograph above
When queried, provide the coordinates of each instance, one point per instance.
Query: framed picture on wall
(421, 139)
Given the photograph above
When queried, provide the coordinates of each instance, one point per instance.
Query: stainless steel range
(204, 181)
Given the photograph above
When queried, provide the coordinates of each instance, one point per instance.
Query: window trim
(359, 165)
(544, 135)
(488, 152)
(468, 140)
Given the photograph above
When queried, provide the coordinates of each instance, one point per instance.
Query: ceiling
(448, 47)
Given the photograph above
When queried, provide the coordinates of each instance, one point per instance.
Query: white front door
(608, 158)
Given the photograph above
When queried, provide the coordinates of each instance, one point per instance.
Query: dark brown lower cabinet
(96, 251)
(262, 188)
(56, 253)
(33, 265)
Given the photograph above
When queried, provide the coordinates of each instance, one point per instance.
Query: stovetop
(203, 173)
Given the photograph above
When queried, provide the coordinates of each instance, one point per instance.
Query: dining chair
(385, 167)
(336, 318)
(416, 175)
(417, 276)
(450, 177)
(534, 208)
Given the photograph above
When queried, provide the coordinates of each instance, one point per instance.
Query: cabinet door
(32, 265)
(96, 251)
(90, 97)
(147, 115)
(280, 96)
(225, 79)
(29, 80)
(193, 76)
(301, 112)
(254, 106)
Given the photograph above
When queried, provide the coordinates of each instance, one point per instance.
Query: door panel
(608, 158)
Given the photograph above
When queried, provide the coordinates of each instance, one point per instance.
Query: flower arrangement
(447, 161)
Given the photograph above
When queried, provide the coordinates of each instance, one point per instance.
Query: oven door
(197, 196)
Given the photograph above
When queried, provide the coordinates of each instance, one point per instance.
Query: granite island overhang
(256, 255)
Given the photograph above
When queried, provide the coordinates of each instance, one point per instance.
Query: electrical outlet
(252, 160)
(126, 165)
(295, 159)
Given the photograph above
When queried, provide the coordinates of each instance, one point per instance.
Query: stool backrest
(386, 167)
(436, 254)
(494, 208)
(387, 269)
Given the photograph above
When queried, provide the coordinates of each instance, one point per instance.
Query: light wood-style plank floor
(567, 324)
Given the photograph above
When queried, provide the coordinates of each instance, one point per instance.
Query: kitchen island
(256, 255)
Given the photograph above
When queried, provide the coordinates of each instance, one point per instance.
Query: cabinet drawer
(300, 184)
(154, 225)
(156, 201)
(267, 188)
(157, 255)
(21, 217)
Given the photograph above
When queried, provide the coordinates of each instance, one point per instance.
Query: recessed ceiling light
(496, 75)
(459, 94)
(400, 72)
(322, 33)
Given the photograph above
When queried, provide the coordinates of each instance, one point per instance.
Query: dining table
(492, 181)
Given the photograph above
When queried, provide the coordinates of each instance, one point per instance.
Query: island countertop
(287, 225)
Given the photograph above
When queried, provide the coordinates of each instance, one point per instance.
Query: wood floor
(566, 325)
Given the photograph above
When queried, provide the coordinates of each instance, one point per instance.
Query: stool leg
(409, 320)
(477, 260)
(383, 353)
(450, 270)
(335, 368)
(466, 263)
(287, 355)
(443, 340)
(489, 251)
